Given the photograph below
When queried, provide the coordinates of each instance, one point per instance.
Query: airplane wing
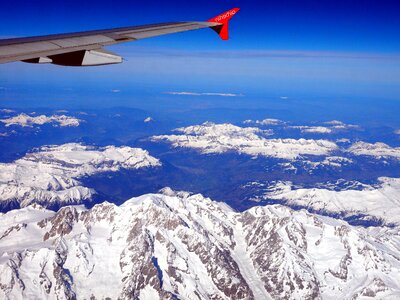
(86, 48)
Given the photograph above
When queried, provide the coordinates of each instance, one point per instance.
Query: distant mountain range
(27, 120)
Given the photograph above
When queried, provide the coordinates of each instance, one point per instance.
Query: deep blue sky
(301, 25)
(296, 48)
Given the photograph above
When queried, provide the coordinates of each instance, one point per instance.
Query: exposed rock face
(177, 246)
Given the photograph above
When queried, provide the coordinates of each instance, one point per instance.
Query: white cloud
(204, 94)
(115, 91)
(148, 120)
(397, 131)
(220, 138)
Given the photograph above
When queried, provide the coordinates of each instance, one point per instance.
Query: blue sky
(288, 48)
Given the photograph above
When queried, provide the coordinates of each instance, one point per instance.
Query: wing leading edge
(86, 48)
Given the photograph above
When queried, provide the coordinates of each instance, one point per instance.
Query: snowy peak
(379, 203)
(313, 129)
(378, 150)
(86, 160)
(51, 174)
(25, 120)
(187, 246)
(265, 122)
(220, 138)
(148, 120)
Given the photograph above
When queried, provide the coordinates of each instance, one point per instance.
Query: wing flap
(46, 53)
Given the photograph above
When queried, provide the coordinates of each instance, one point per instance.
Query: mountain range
(174, 245)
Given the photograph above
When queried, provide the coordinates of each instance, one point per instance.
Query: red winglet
(223, 19)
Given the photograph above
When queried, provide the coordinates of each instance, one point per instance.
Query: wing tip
(223, 20)
(225, 16)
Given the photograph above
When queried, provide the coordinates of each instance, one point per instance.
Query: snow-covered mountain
(312, 129)
(148, 120)
(340, 125)
(220, 138)
(381, 201)
(6, 110)
(327, 163)
(27, 120)
(266, 122)
(177, 246)
(324, 127)
(378, 150)
(51, 174)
